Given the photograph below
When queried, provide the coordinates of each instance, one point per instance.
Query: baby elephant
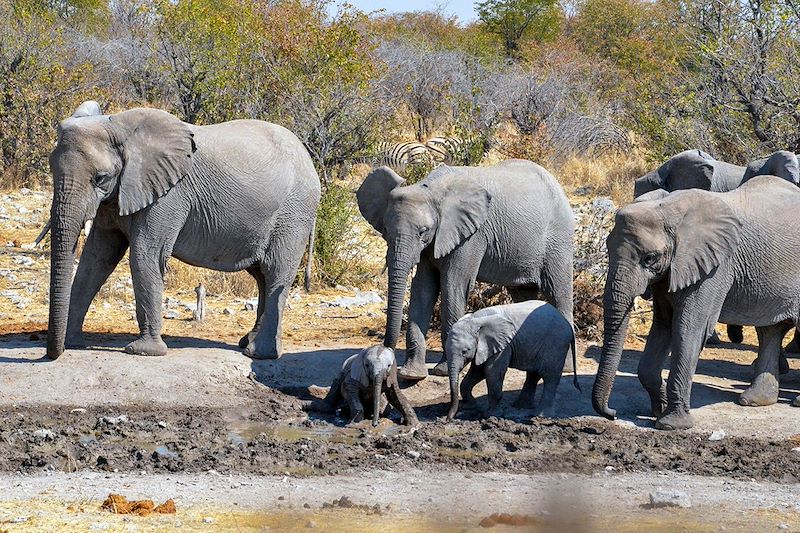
(531, 336)
(365, 376)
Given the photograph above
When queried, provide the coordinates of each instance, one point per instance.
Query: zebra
(399, 156)
(454, 150)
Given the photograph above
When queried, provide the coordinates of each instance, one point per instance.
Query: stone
(114, 420)
(208, 520)
(413, 454)
(359, 299)
(171, 314)
(44, 434)
(669, 498)
(717, 435)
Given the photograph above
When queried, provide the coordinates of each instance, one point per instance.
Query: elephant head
(128, 160)
(782, 164)
(690, 169)
(474, 339)
(378, 362)
(678, 240)
(438, 213)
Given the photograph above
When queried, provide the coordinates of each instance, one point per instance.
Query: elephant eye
(650, 258)
(422, 231)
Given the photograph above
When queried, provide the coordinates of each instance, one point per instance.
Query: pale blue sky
(463, 9)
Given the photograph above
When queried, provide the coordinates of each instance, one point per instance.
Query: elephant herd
(706, 239)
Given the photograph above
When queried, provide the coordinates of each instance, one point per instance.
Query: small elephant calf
(364, 378)
(531, 336)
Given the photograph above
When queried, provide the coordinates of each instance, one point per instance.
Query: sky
(463, 9)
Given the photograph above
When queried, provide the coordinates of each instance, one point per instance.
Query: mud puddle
(136, 438)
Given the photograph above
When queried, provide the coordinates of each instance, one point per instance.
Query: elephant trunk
(399, 267)
(617, 305)
(66, 226)
(454, 368)
(377, 391)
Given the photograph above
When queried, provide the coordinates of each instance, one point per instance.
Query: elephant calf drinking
(531, 336)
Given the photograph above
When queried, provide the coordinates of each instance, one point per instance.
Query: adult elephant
(696, 169)
(707, 257)
(239, 195)
(509, 224)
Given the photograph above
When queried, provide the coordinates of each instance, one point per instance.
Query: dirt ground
(233, 442)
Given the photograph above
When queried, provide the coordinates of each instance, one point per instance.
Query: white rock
(208, 520)
(171, 314)
(228, 311)
(23, 260)
(114, 420)
(360, 299)
(797, 450)
(22, 210)
(783, 526)
(44, 434)
(25, 191)
(717, 435)
(669, 498)
(251, 305)
(100, 526)
(413, 454)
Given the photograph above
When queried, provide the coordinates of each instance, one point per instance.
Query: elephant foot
(440, 369)
(245, 341)
(147, 346)
(76, 340)
(412, 371)
(657, 406)
(523, 402)
(763, 391)
(735, 333)
(713, 339)
(253, 351)
(796, 401)
(675, 421)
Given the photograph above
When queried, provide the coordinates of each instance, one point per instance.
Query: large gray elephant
(783, 164)
(708, 257)
(240, 195)
(691, 169)
(509, 224)
(695, 169)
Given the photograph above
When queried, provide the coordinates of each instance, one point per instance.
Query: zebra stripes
(447, 150)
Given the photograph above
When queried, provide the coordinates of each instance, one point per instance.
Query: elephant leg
(525, 400)
(351, 393)
(655, 352)
(713, 338)
(280, 269)
(556, 287)
(148, 266)
(424, 292)
(399, 401)
(255, 271)
(102, 252)
(455, 292)
(473, 377)
(693, 311)
(735, 333)
(546, 406)
(495, 374)
(764, 389)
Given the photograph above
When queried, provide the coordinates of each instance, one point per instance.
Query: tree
(514, 20)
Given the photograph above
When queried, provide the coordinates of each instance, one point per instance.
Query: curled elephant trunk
(453, 369)
(377, 391)
(66, 226)
(399, 268)
(617, 305)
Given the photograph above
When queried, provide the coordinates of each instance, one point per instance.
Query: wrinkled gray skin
(708, 257)
(364, 378)
(695, 169)
(531, 336)
(232, 196)
(508, 224)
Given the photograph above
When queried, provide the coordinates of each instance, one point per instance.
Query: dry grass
(610, 174)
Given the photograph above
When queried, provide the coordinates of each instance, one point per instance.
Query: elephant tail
(575, 363)
(310, 256)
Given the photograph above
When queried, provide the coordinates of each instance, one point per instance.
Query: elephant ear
(88, 108)
(691, 169)
(706, 233)
(373, 195)
(157, 152)
(494, 335)
(463, 208)
(658, 194)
